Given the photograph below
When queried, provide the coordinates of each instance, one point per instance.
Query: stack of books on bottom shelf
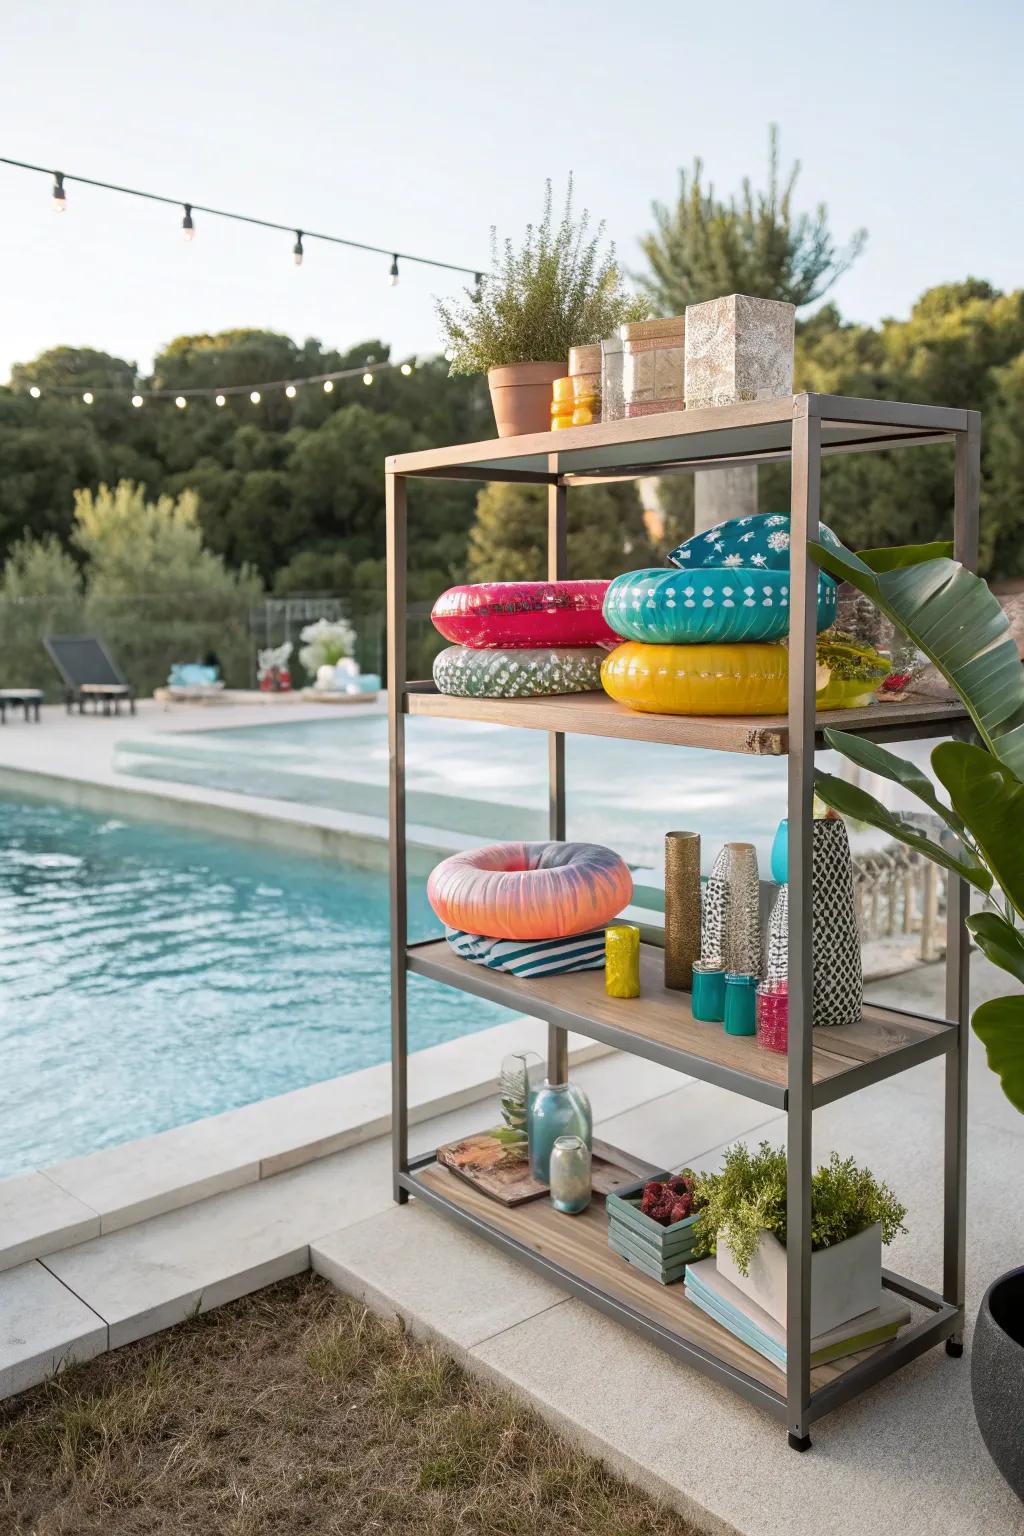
(720, 1299)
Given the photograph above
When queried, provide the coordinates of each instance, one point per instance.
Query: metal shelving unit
(820, 1067)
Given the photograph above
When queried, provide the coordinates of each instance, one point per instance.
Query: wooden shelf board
(753, 430)
(578, 1245)
(595, 714)
(660, 1024)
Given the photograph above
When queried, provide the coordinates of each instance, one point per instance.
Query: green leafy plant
(748, 1197)
(554, 292)
(951, 615)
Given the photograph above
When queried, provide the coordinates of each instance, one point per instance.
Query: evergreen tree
(508, 540)
(702, 247)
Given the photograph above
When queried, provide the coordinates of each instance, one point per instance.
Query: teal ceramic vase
(780, 853)
(556, 1109)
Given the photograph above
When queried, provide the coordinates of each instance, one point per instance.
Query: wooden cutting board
(500, 1168)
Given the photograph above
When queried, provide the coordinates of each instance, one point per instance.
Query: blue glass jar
(556, 1109)
(740, 1003)
(708, 999)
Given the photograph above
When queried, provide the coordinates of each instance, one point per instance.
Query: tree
(702, 247)
(507, 541)
(136, 547)
(39, 568)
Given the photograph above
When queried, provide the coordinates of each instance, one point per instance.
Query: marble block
(738, 348)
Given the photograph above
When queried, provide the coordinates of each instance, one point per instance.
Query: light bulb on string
(180, 402)
(255, 397)
(406, 369)
(137, 400)
(290, 391)
(88, 397)
(297, 251)
(60, 197)
(328, 386)
(220, 400)
(449, 355)
(35, 391)
(187, 227)
(367, 378)
(393, 272)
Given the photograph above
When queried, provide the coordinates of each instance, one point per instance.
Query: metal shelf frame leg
(397, 555)
(558, 1039)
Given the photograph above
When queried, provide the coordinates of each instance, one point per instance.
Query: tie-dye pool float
(530, 890)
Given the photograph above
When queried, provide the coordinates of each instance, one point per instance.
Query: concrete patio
(905, 1456)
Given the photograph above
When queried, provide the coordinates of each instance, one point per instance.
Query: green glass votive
(708, 1001)
(569, 1175)
(740, 1003)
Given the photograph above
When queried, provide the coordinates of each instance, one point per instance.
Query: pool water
(484, 780)
(149, 977)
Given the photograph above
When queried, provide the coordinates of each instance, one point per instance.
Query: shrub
(748, 1197)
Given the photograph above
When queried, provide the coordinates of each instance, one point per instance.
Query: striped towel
(531, 957)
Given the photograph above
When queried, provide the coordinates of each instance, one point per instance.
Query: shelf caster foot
(799, 1442)
(401, 1195)
(954, 1348)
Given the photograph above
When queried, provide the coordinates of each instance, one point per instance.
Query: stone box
(738, 348)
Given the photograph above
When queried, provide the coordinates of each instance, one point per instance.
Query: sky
(417, 126)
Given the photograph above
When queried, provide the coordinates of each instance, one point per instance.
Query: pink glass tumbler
(773, 1016)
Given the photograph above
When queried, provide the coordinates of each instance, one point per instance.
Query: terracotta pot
(521, 396)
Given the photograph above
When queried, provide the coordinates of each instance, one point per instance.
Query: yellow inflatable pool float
(698, 679)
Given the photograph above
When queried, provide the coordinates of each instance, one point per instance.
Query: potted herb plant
(950, 615)
(743, 1221)
(555, 291)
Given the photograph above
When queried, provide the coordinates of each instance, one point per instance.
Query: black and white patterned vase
(777, 961)
(737, 866)
(714, 920)
(838, 973)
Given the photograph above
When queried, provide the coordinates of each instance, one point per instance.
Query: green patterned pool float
(518, 674)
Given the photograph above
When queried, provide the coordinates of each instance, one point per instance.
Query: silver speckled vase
(736, 865)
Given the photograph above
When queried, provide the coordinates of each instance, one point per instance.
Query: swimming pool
(483, 780)
(149, 977)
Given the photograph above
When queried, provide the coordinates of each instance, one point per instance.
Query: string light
(368, 371)
(393, 272)
(60, 200)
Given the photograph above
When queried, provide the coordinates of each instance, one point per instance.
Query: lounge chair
(88, 672)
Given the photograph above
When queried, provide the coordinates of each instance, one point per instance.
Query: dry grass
(292, 1412)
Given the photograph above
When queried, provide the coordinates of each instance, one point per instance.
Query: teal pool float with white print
(708, 604)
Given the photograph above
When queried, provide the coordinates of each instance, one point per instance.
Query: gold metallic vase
(682, 908)
(622, 960)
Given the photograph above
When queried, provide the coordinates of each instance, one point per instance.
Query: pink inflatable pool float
(493, 614)
(530, 890)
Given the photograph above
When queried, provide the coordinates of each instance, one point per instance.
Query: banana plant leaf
(999, 1025)
(999, 941)
(901, 555)
(875, 759)
(991, 801)
(850, 800)
(951, 615)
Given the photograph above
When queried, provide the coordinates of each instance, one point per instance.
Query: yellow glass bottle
(562, 403)
(587, 399)
(622, 960)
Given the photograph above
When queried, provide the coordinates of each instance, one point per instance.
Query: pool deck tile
(120, 1186)
(43, 1326)
(483, 1293)
(149, 1276)
(38, 1216)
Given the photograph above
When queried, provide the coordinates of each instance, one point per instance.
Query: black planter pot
(997, 1375)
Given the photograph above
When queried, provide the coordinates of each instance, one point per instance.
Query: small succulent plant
(670, 1200)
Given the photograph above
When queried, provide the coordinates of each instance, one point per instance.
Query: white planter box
(846, 1280)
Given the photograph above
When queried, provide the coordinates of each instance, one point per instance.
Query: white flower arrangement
(326, 643)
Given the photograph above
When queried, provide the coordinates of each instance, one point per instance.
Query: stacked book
(720, 1299)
